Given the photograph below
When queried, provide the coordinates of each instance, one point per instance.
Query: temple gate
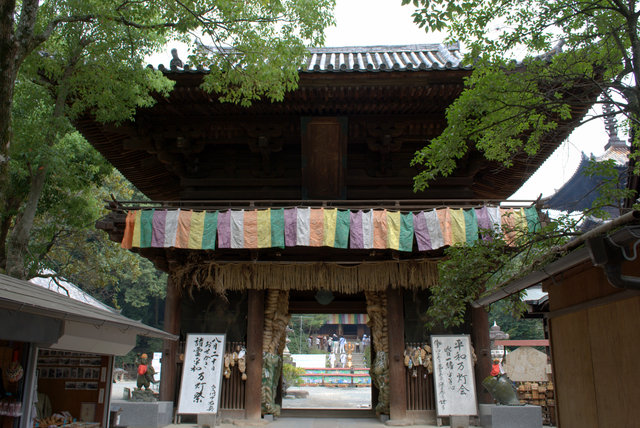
(253, 210)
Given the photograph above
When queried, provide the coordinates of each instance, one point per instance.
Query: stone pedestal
(140, 414)
(516, 417)
(484, 414)
(459, 421)
(209, 420)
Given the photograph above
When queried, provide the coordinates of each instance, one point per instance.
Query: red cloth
(495, 369)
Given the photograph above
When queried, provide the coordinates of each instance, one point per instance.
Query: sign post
(453, 376)
(202, 375)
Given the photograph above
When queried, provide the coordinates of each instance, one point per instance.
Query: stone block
(516, 417)
(484, 414)
(209, 420)
(142, 414)
(459, 421)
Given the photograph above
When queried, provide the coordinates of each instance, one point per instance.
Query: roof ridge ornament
(175, 62)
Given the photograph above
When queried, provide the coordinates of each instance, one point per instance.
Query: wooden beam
(482, 346)
(397, 376)
(336, 307)
(255, 327)
(527, 342)
(170, 348)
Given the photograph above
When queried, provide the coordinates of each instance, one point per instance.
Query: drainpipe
(609, 255)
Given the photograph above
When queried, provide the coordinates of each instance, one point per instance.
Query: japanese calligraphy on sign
(201, 374)
(453, 375)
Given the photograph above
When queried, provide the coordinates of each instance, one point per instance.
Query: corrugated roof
(421, 57)
(19, 295)
(68, 289)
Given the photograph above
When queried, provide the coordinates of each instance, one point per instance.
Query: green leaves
(259, 49)
(85, 58)
(468, 272)
(611, 190)
(507, 110)
(503, 112)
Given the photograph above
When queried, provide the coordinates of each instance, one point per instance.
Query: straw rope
(276, 318)
(377, 311)
(221, 277)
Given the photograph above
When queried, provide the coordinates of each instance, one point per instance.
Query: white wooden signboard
(453, 375)
(201, 374)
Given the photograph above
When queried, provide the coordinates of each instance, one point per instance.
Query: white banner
(453, 375)
(202, 374)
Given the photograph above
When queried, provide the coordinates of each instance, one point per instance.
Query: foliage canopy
(573, 51)
(60, 60)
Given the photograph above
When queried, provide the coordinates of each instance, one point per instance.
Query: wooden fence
(233, 388)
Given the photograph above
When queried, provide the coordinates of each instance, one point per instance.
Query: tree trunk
(16, 42)
(5, 226)
(8, 64)
(19, 237)
(17, 245)
(482, 344)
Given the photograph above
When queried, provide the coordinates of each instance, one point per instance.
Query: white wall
(309, 361)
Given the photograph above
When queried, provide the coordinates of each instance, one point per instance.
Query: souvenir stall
(56, 356)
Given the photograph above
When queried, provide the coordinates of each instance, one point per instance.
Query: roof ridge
(377, 58)
(401, 47)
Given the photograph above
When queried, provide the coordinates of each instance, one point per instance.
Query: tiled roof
(383, 58)
(373, 59)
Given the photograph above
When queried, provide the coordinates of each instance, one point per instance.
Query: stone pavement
(330, 398)
(309, 423)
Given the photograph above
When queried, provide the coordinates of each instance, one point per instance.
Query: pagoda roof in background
(580, 191)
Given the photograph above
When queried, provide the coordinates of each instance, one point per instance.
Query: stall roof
(22, 296)
(66, 288)
(574, 258)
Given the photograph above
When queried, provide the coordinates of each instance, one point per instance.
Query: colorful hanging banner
(322, 227)
(348, 319)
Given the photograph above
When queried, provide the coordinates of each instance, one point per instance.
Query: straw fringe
(350, 279)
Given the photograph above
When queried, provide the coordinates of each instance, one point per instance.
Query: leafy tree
(291, 376)
(88, 258)
(468, 271)
(300, 328)
(513, 324)
(86, 57)
(68, 202)
(574, 50)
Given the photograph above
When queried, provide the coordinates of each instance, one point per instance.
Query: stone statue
(502, 390)
(144, 380)
(175, 62)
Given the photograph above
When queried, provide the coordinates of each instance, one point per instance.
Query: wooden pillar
(170, 348)
(482, 346)
(255, 328)
(397, 376)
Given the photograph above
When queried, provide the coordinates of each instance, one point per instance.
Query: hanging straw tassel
(414, 275)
